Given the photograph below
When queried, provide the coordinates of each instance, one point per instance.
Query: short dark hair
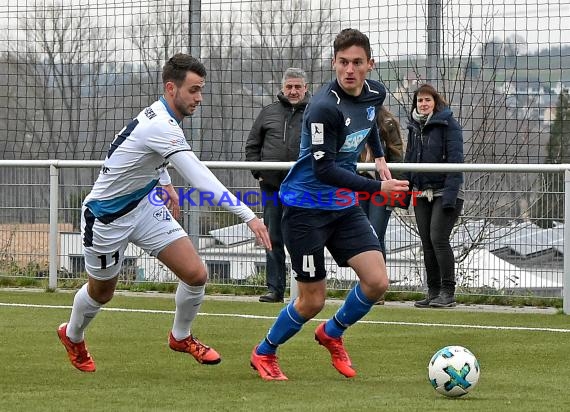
(352, 37)
(426, 88)
(178, 65)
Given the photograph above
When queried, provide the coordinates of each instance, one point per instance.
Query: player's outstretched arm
(260, 231)
(200, 177)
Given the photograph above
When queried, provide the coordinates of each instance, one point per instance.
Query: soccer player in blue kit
(321, 208)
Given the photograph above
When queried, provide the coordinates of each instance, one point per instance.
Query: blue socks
(354, 308)
(287, 324)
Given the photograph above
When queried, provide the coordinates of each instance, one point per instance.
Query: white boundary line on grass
(371, 322)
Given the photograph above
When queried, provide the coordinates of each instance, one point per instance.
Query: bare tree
(245, 69)
(57, 91)
(159, 34)
(297, 36)
(62, 62)
(228, 88)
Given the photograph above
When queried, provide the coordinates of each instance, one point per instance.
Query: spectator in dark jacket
(434, 136)
(276, 137)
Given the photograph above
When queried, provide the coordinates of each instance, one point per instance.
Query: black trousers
(435, 225)
(275, 258)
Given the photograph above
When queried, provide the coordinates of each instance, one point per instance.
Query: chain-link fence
(498, 249)
(72, 73)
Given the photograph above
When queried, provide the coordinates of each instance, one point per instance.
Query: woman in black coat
(434, 136)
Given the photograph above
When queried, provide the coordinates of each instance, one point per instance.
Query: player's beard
(182, 108)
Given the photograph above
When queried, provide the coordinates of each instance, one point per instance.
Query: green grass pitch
(523, 357)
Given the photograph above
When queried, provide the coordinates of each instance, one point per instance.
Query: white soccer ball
(453, 371)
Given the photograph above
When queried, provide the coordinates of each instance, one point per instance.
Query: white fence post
(293, 289)
(566, 272)
(53, 212)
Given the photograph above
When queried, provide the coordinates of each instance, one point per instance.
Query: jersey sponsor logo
(172, 122)
(317, 133)
(370, 113)
(318, 155)
(178, 142)
(353, 140)
(347, 121)
(148, 112)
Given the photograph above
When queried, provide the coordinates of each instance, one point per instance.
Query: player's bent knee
(374, 289)
(104, 298)
(101, 291)
(309, 308)
(193, 276)
(382, 285)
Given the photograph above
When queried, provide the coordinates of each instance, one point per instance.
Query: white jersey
(137, 160)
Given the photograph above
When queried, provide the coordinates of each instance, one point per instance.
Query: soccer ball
(453, 371)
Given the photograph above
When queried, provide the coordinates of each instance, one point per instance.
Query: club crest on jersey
(148, 112)
(317, 133)
(162, 214)
(370, 113)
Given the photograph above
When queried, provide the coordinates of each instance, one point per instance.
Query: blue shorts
(306, 232)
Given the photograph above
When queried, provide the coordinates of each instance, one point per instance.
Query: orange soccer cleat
(77, 352)
(340, 359)
(267, 366)
(202, 353)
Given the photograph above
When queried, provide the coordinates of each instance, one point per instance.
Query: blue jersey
(336, 126)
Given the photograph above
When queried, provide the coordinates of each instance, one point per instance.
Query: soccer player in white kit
(119, 210)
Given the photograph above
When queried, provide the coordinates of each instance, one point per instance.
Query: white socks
(84, 310)
(188, 300)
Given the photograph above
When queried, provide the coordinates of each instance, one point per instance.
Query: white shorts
(149, 227)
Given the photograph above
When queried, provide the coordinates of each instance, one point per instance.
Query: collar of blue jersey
(366, 89)
(169, 110)
(340, 91)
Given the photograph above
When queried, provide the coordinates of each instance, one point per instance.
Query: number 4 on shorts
(309, 265)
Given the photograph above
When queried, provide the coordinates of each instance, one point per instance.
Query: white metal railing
(55, 165)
